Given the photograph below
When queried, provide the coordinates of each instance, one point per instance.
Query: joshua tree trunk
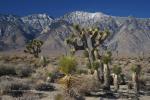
(100, 73)
(116, 84)
(106, 77)
(135, 80)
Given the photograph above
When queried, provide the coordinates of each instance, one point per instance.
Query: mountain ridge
(129, 35)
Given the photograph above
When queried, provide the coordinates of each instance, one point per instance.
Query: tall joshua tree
(117, 71)
(136, 69)
(88, 40)
(34, 47)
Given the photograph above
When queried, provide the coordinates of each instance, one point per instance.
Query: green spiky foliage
(67, 64)
(117, 70)
(89, 40)
(107, 57)
(96, 65)
(136, 68)
(34, 47)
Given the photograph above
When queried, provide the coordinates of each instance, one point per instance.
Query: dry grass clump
(23, 70)
(10, 84)
(85, 83)
(80, 85)
(20, 70)
(29, 97)
(7, 70)
(44, 87)
(59, 97)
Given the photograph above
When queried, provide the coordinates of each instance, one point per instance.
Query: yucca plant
(117, 71)
(136, 69)
(68, 66)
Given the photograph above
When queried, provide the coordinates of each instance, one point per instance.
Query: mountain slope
(38, 21)
(13, 32)
(129, 36)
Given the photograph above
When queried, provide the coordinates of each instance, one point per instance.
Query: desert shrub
(136, 68)
(43, 61)
(67, 64)
(81, 71)
(50, 74)
(117, 70)
(85, 53)
(130, 85)
(19, 86)
(82, 84)
(56, 75)
(59, 97)
(7, 70)
(4, 87)
(29, 96)
(17, 89)
(44, 87)
(13, 88)
(24, 71)
(88, 65)
(96, 65)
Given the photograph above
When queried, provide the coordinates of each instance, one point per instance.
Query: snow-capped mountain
(38, 21)
(129, 35)
(84, 18)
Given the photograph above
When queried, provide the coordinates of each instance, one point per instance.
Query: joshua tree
(106, 61)
(136, 69)
(117, 71)
(88, 40)
(34, 47)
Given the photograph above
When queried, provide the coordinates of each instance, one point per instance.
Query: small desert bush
(29, 96)
(44, 61)
(81, 71)
(20, 70)
(44, 87)
(67, 64)
(95, 65)
(24, 70)
(117, 70)
(7, 70)
(59, 97)
(8, 86)
(50, 74)
(136, 68)
(85, 53)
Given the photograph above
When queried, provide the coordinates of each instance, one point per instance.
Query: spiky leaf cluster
(117, 70)
(79, 41)
(34, 47)
(67, 64)
(107, 57)
(89, 40)
(136, 68)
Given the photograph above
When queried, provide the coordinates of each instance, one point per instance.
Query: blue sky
(56, 8)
